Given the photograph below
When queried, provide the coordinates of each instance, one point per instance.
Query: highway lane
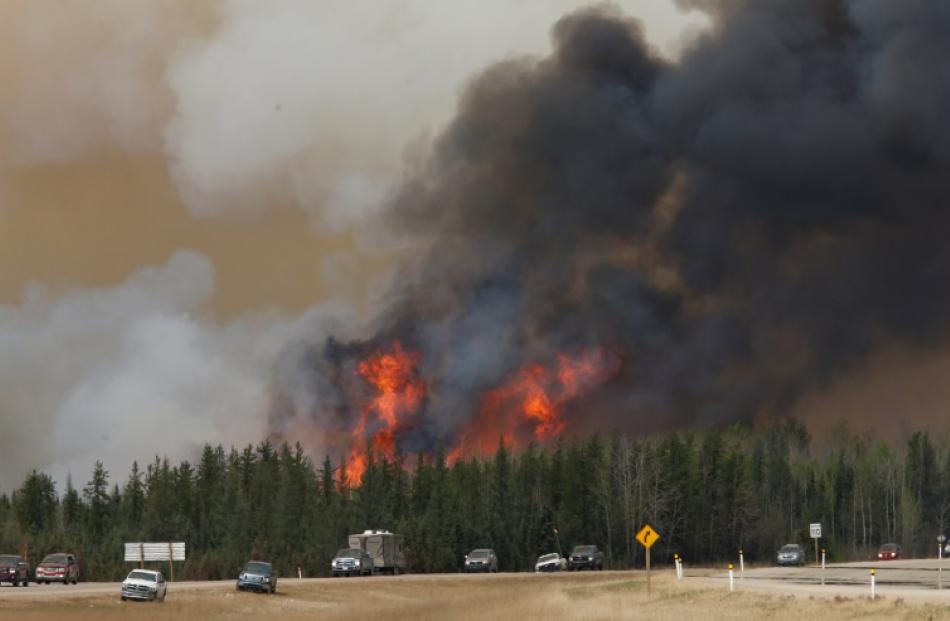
(922, 579)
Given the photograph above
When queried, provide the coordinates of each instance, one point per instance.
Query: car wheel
(122, 598)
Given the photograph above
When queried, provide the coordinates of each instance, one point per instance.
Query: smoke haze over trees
(733, 228)
(739, 226)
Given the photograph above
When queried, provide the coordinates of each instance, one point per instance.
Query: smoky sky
(741, 225)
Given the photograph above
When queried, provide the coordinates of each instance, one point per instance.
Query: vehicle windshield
(584, 550)
(257, 568)
(6, 561)
(55, 559)
(889, 547)
(547, 557)
(479, 554)
(143, 575)
(349, 553)
(789, 548)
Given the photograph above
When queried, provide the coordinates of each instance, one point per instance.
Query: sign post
(647, 537)
(155, 552)
(815, 530)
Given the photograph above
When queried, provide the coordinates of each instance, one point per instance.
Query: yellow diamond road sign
(647, 536)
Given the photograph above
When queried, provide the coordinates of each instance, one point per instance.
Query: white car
(144, 584)
(551, 562)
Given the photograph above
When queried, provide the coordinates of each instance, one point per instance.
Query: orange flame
(529, 404)
(399, 393)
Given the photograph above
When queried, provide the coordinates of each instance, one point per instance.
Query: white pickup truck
(144, 584)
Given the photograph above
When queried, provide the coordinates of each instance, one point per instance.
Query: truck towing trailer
(385, 548)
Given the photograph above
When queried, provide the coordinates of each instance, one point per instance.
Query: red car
(889, 552)
(58, 567)
(15, 570)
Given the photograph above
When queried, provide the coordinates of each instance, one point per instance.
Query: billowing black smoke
(740, 225)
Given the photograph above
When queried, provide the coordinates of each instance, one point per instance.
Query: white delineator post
(822, 567)
(679, 566)
(741, 565)
(872, 584)
(732, 579)
(940, 565)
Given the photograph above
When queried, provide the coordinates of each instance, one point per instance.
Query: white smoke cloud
(262, 104)
(314, 103)
(132, 371)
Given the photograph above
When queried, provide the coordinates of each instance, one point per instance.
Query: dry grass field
(607, 595)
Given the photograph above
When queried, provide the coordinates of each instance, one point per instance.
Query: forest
(707, 492)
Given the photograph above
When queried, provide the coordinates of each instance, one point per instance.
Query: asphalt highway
(927, 579)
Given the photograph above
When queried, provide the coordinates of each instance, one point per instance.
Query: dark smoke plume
(739, 226)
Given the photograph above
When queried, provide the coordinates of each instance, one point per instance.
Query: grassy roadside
(566, 596)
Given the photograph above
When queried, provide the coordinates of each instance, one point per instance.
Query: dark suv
(585, 557)
(15, 570)
(352, 562)
(59, 567)
(257, 576)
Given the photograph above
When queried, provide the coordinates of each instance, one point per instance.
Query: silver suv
(790, 554)
(352, 562)
(482, 559)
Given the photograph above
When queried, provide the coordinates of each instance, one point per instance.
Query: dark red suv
(889, 552)
(15, 570)
(58, 567)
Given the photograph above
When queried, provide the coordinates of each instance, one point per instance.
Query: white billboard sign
(144, 552)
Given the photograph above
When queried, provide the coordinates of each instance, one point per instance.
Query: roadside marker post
(647, 537)
(741, 565)
(940, 541)
(679, 566)
(822, 567)
(872, 583)
(732, 580)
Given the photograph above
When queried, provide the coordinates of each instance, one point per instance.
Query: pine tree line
(708, 493)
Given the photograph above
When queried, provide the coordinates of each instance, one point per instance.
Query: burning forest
(610, 240)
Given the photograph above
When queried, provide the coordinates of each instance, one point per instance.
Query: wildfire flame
(399, 394)
(529, 405)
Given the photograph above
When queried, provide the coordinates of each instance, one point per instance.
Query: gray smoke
(743, 224)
